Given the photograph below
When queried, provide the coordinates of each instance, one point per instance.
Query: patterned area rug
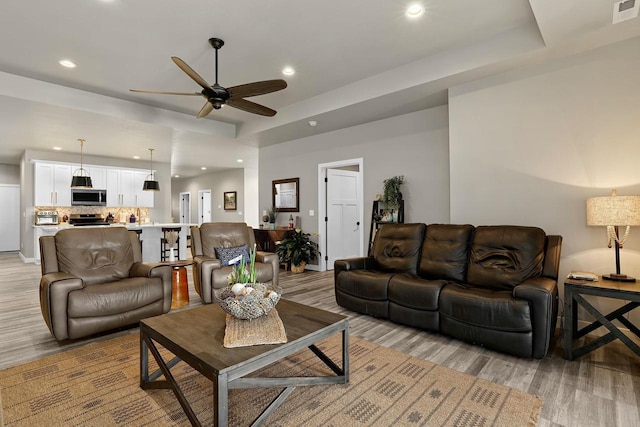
(97, 385)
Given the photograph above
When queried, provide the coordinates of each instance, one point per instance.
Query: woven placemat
(263, 330)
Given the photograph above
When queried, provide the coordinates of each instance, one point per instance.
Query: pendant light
(150, 183)
(81, 178)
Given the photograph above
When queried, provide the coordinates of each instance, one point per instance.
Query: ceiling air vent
(625, 9)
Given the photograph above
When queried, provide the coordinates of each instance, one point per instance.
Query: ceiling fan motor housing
(216, 95)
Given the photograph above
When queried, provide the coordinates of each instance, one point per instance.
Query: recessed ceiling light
(136, 157)
(415, 10)
(67, 63)
(239, 160)
(288, 71)
(313, 123)
(57, 148)
(176, 176)
(203, 168)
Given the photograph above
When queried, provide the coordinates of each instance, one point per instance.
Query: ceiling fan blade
(189, 71)
(162, 92)
(251, 107)
(206, 109)
(256, 88)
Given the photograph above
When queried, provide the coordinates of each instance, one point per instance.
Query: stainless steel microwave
(88, 197)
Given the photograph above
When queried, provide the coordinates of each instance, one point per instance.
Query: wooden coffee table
(195, 336)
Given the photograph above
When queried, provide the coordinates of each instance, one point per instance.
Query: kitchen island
(151, 233)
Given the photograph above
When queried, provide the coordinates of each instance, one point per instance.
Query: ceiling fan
(217, 96)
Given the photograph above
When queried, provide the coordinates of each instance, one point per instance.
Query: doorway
(185, 208)
(340, 219)
(10, 217)
(204, 206)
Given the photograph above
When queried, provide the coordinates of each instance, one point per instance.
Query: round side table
(179, 282)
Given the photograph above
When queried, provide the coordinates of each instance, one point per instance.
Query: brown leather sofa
(495, 286)
(93, 280)
(209, 273)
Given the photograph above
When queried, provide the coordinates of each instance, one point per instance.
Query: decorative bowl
(248, 305)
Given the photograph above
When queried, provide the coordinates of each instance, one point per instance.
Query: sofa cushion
(98, 255)
(485, 308)
(445, 252)
(413, 292)
(366, 284)
(505, 256)
(115, 298)
(396, 247)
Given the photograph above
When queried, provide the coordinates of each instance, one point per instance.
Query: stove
(87, 220)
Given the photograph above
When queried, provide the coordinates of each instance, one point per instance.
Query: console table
(574, 292)
(266, 239)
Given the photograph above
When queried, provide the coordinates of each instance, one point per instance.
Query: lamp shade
(81, 182)
(613, 210)
(151, 185)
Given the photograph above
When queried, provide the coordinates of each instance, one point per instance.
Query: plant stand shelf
(380, 215)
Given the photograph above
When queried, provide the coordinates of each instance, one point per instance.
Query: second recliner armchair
(211, 245)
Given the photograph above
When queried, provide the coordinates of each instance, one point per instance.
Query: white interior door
(204, 206)
(343, 215)
(185, 208)
(10, 218)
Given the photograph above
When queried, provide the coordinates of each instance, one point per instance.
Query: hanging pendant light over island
(150, 183)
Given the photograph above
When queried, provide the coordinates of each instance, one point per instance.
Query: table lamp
(614, 211)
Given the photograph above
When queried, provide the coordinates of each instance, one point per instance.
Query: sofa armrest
(203, 268)
(54, 291)
(273, 259)
(361, 263)
(163, 271)
(542, 295)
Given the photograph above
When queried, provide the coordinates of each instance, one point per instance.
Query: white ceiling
(355, 61)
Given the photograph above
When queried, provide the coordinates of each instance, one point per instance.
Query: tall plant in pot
(391, 195)
(297, 250)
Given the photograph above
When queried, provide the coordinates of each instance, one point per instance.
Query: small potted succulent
(297, 250)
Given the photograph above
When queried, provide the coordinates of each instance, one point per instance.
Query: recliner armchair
(93, 280)
(209, 273)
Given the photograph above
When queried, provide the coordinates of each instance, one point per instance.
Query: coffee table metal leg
(169, 381)
(345, 354)
(221, 400)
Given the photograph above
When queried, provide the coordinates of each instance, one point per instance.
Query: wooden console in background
(266, 239)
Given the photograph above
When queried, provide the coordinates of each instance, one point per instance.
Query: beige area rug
(97, 385)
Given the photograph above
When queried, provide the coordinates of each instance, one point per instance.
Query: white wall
(9, 174)
(414, 145)
(528, 147)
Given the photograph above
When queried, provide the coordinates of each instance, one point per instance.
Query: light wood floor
(600, 389)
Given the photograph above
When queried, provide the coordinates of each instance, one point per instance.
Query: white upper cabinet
(52, 184)
(124, 188)
(144, 199)
(98, 177)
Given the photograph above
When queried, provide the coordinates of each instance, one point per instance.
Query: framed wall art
(230, 200)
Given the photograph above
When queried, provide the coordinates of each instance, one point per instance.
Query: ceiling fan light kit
(217, 96)
(81, 177)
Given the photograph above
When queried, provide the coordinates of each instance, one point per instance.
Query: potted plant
(272, 215)
(391, 195)
(297, 250)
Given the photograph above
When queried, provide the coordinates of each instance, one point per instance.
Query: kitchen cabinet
(144, 199)
(124, 188)
(98, 177)
(52, 184)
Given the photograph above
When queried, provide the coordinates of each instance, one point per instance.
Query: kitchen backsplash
(62, 211)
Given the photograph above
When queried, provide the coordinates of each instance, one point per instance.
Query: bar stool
(164, 246)
(138, 233)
